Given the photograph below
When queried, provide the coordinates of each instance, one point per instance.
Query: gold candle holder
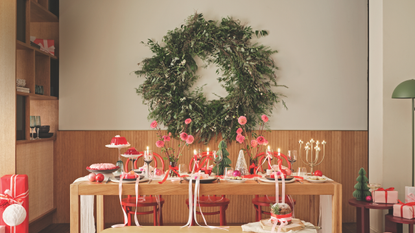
(309, 149)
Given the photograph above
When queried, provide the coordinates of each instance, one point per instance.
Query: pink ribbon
(283, 219)
(137, 181)
(410, 197)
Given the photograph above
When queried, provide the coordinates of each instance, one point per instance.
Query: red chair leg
(155, 215)
(259, 212)
(161, 215)
(223, 216)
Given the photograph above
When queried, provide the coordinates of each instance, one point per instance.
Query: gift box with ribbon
(388, 195)
(404, 210)
(14, 192)
(46, 45)
(409, 194)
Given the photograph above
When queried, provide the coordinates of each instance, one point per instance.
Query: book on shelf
(23, 89)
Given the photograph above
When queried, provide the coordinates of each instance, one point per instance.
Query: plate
(103, 171)
(273, 181)
(129, 181)
(236, 181)
(141, 177)
(316, 181)
(208, 180)
(288, 178)
(118, 146)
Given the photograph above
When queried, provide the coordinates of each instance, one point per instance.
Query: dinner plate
(207, 180)
(273, 181)
(316, 181)
(236, 181)
(103, 171)
(141, 177)
(286, 179)
(129, 181)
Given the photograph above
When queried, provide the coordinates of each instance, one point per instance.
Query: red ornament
(318, 173)
(368, 198)
(236, 173)
(99, 177)
(91, 177)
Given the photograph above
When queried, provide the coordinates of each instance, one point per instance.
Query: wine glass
(292, 158)
(37, 125)
(32, 126)
(148, 158)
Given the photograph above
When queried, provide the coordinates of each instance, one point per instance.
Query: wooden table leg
(74, 208)
(392, 226)
(100, 213)
(337, 209)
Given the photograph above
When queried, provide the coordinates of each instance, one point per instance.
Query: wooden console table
(250, 187)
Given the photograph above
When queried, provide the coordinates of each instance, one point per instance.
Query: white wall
(322, 58)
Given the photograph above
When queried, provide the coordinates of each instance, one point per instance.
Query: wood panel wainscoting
(346, 153)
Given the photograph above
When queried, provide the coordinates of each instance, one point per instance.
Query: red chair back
(203, 161)
(156, 156)
(261, 157)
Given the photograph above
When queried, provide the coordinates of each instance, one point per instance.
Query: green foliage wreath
(246, 70)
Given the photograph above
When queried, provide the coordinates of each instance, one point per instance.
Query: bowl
(20, 82)
(44, 129)
(118, 140)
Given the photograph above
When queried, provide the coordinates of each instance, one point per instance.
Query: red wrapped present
(46, 45)
(14, 189)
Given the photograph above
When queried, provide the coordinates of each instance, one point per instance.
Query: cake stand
(119, 162)
(132, 158)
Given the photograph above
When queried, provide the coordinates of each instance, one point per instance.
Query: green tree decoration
(362, 191)
(225, 160)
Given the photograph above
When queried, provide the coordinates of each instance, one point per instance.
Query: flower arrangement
(252, 147)
(164, 140)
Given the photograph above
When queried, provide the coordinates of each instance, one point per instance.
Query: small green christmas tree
(220, 167)
(362, 191)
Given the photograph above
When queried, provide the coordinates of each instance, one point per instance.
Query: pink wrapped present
(385, 196)
(404, 210)
(2, 229)
(46, 45)
(409, 194)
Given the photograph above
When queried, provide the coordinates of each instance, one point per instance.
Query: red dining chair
(145, 201)
(209, 201)
(265, 201)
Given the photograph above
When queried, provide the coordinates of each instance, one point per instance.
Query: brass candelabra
(312, 162)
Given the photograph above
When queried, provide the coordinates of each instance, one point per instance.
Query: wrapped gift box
(404, 210)
(46, 45)
(19, 190)
(385, 196)
(409, 194)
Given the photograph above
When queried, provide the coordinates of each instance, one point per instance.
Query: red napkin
(299, 177)
(251, 176)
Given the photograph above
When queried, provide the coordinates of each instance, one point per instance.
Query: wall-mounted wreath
(246, 71)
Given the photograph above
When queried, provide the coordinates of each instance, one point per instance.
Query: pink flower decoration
(242, 120)
(240, 138)
(254, 143)
(153, 124)
(260, 140)
(187, 121)
(190, 139)
(166, 138)
(169, 134)
(183, 136)
(265, 142)
(159, 144)
(264, 118)
(239, 131)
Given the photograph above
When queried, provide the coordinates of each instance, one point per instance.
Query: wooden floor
(64, 228)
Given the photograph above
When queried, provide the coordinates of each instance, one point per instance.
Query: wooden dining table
(250, 187)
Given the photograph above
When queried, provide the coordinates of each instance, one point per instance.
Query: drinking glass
(32, 126)
(292, 158)
(148, 158)
(228, 172)
(37, 125)
(183, 168)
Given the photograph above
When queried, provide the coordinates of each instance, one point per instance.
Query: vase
(253, 165)
(172, 173)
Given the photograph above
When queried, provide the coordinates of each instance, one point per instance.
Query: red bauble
(236, 173)
(318, 173)
(99, 177)
(368, 198)
(91, 177)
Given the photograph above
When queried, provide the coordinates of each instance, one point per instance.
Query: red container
(118, 140)
(19, 187)
(131, 151)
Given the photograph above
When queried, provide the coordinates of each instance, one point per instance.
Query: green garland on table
(247, 74)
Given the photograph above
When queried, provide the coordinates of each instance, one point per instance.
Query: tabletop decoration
(119, 143)
(247, 72)
(281, 213)
(224, 162)
(241, 166)
(362, 190)
(312, 162)
(388, 195)
(254, 146)
(404, 210)
(171, 155)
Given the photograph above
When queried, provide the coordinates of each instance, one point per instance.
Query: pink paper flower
(190, 139)
(260, 140)
(240, 138)
(264, 118)
(166, 138)
(159, 144)
(239, 131)
(265, 142)
(187, 121)
(153, 124)
(169, 134)
(183, 136)
(242, 120)
(254, 143)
